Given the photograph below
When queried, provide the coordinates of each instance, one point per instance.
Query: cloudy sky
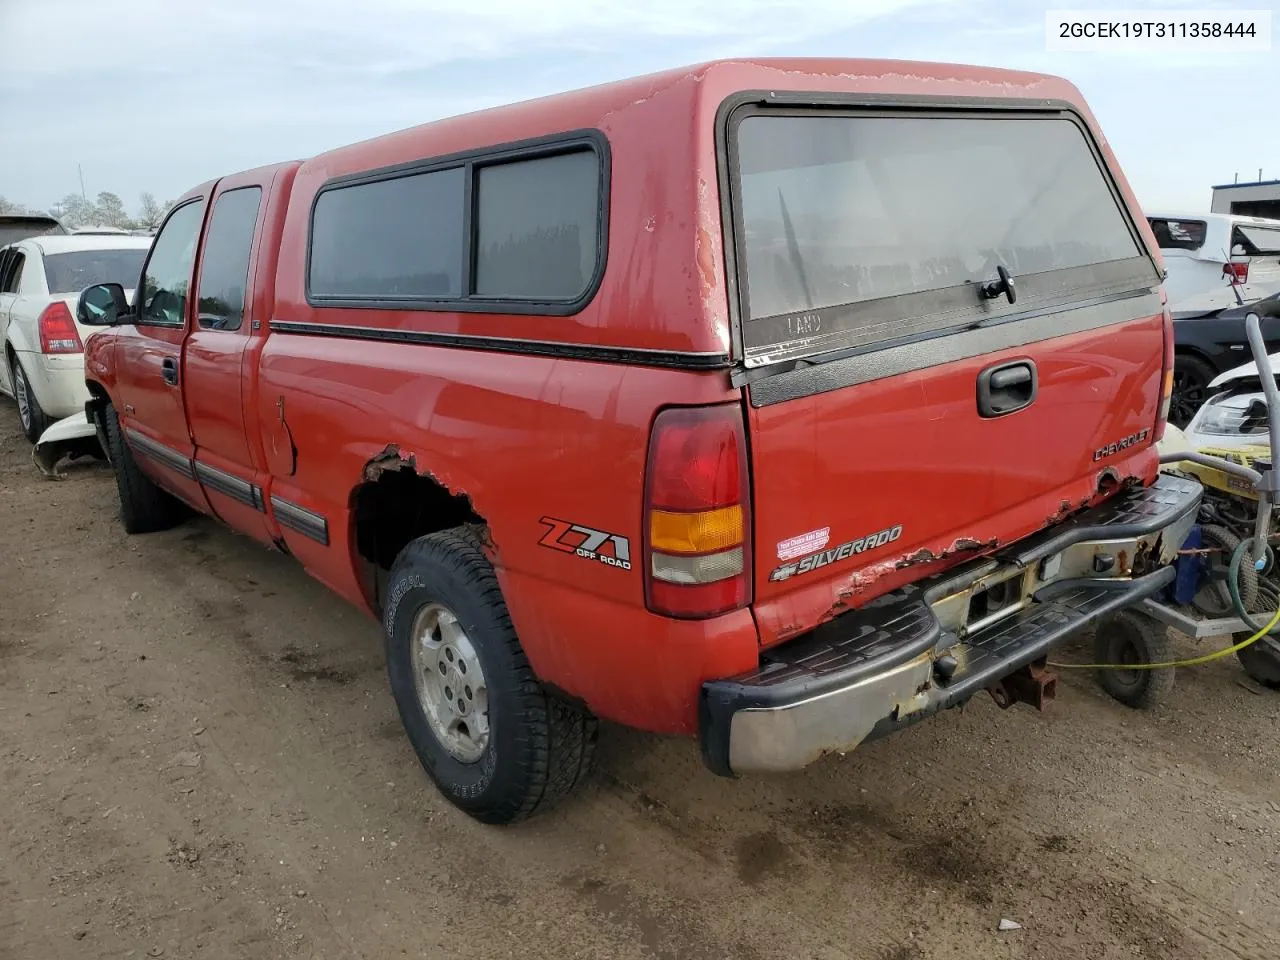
(159, 95)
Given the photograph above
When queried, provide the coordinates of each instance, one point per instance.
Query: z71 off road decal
(843, 552)
(585, 542)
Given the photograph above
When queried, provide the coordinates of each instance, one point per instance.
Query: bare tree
(75, 211)
(151, 212)
(8, 206)
(111, 212)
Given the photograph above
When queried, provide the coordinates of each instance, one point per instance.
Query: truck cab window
(167, 276)
(224, 267)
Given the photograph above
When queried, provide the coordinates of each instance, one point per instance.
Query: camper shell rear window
(863, 228)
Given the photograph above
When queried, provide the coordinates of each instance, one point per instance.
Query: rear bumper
(57, 381)
(931, 646)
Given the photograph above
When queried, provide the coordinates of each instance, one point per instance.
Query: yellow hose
(1192, 662)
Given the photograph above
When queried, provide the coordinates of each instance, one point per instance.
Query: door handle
(169, 370)
(1006, 388)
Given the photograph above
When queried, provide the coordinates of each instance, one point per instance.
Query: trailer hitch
(1035, 684)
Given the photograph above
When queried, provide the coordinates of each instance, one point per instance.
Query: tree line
(104, 210)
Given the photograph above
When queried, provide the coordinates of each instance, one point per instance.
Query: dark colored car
(1210, 343)
(20, 226)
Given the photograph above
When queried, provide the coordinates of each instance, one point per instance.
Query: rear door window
(1179, 234)
(862, 230)
(224, 264)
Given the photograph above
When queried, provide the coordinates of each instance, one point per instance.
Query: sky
(160, 95)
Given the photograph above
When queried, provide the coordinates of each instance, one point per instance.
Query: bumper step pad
(1062, 610)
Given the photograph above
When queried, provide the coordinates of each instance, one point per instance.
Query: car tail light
(58, 332)
(697, 513)
(1166, 369)
(1236, 272)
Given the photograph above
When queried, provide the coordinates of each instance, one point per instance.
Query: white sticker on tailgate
(794, 547)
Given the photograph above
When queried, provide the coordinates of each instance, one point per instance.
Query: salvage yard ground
(199, 758)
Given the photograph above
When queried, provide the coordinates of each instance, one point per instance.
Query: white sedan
(42, 366)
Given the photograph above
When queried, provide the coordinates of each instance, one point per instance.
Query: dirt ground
(199, 758)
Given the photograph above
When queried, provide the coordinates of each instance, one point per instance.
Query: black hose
(1233, 583)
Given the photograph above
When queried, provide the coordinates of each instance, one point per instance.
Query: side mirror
(102, 305)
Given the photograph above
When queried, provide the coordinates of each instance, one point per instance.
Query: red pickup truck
(784, 403)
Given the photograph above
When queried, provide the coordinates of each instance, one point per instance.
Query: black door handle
(169, 370)
(1007, 377)
(1006, 388)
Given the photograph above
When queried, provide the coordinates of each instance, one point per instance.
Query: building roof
(1255, 183)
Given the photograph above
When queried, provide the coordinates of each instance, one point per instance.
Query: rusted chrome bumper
(931, 646)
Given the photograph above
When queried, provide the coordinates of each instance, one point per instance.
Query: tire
(1261, 660)
(1191, 377)
(144, 507)
(1128, 637)
(34, 420)
(536, 747)
(1213, 599)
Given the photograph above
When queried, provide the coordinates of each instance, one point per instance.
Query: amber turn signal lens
(704, 532)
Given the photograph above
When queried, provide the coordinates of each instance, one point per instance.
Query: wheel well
(397, 507)
(98, 400)
(1194, 353)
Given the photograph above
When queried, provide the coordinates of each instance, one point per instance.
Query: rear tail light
(697, 513)
(1166, 369)
(1236, 272)
(58, 332)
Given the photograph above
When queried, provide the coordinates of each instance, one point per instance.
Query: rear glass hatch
(869, 250)
(869, 228)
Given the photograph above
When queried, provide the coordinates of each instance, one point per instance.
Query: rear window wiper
(793, 251)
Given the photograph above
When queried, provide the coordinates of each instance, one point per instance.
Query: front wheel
(144, 507)
(496, 743)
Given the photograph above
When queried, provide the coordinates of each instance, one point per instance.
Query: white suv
(1210, 257)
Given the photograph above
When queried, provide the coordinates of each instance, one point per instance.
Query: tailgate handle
(1006, 388)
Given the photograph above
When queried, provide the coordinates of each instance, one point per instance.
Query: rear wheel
(1191, 378)
(144, 507)
(34, 420)
(496, 743)
(1130, 638)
